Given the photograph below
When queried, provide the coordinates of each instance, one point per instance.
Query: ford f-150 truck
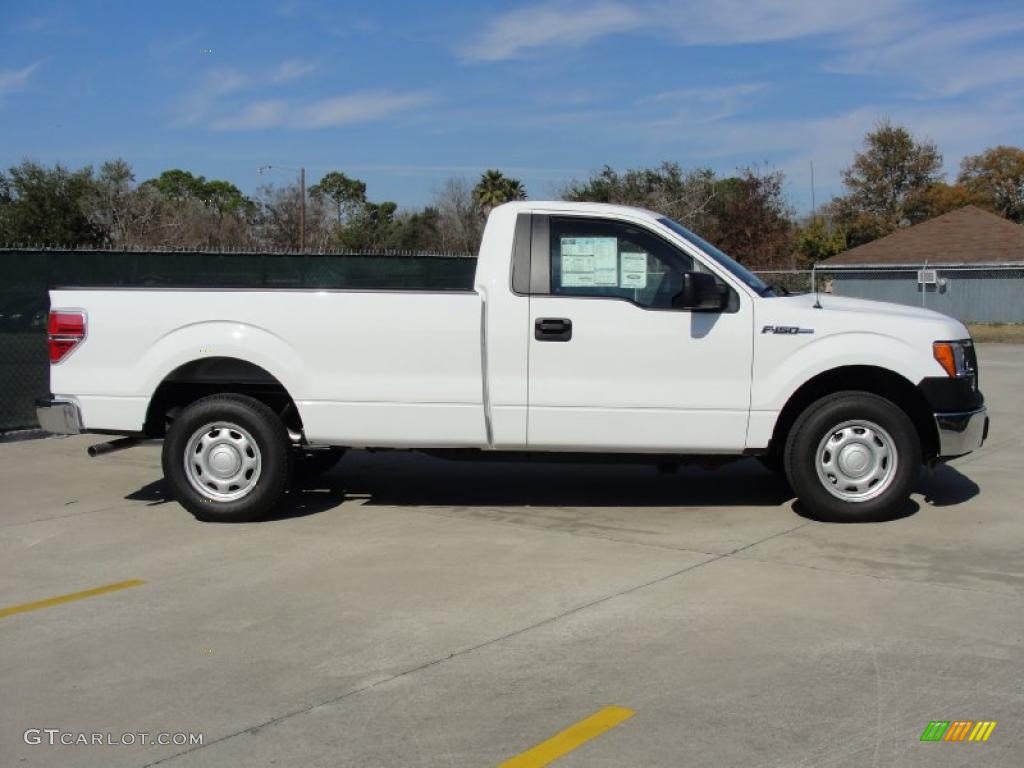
(594, 331)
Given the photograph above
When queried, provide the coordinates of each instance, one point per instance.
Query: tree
(43, 206)
(816, 239)
(416, 231)
(226, 198)
(176, 184)
(371, 229)
(460, 225)
(685, 196)
(276, 223)
(125, 214)
(746, 215)
(885, 181)
(348, 195)
(996, 177)
(940, 198)
(494, 189)
(754, 221)
(197, 212)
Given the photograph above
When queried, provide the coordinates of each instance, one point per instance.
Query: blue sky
(405, 94)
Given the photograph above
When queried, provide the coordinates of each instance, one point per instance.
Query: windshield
(723, 259)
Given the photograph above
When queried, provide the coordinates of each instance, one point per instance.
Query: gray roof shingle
(966, 235)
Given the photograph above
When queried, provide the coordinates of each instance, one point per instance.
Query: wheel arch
(873, 379)
(206, 376)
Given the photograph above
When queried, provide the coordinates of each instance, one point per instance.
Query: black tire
(270, 447)
(308, 464)
(887, 441)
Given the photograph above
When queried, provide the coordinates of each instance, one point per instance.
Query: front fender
(780, 370)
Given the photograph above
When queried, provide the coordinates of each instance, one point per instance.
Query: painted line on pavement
(61, 599)
(574, 736)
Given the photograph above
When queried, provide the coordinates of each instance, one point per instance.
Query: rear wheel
(227, 458)
(853, 457)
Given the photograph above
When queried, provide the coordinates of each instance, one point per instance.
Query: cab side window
(601, 258)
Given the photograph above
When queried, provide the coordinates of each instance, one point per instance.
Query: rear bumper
(961, 433)
(59, 416)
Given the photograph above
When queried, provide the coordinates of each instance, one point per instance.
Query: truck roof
(554, 206)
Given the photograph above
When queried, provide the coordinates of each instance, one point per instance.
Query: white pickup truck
(602, 331)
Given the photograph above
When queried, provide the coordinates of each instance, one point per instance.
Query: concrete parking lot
(409, 611)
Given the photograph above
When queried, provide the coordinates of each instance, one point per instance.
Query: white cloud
(710, 103)
(944, 58)
(292, 70)
(229, 100)
(172, 48)
(358, 107)
(711, 93)
(259, 114)
(731, 22)
(558, 24)
(936, 53)
(16, 79)
(201, 99)
(324, 113)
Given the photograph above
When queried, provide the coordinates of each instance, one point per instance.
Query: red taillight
(66, 329)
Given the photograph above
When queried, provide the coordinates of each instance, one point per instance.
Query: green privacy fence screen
(26, 275)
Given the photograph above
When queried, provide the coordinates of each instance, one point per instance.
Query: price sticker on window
(632, 270)
(589, 261)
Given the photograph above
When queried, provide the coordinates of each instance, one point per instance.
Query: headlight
(955, 357)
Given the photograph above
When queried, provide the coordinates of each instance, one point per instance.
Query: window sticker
(634, 270)
(589, 261)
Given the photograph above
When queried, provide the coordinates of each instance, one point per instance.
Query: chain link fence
(789, 281)
(976, 294)
(24, 364)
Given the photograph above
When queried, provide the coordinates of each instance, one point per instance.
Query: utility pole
(812, 187)
(302, 214)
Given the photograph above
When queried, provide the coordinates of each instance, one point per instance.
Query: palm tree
(494, 188)
(514, 190)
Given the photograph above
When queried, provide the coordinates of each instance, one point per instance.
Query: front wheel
(853, 457)
(227, 458)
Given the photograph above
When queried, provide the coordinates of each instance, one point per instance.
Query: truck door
(612, 365)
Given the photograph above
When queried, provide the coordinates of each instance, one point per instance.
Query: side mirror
(701, 293)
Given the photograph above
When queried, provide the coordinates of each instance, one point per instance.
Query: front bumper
(59, 416)
(961, 433)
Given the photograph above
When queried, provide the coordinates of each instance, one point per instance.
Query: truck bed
(364, 368)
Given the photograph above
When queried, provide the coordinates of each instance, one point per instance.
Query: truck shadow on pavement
(407, 479)
(299, 502)
(945, 486)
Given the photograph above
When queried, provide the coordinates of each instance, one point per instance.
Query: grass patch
(1012, 333)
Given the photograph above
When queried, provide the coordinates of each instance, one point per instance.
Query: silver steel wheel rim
(222, 461)
(856, 460)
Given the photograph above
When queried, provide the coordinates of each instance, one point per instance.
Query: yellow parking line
(25, 607)
(572, 737)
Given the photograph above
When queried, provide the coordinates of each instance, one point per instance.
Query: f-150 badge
(786, 330)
